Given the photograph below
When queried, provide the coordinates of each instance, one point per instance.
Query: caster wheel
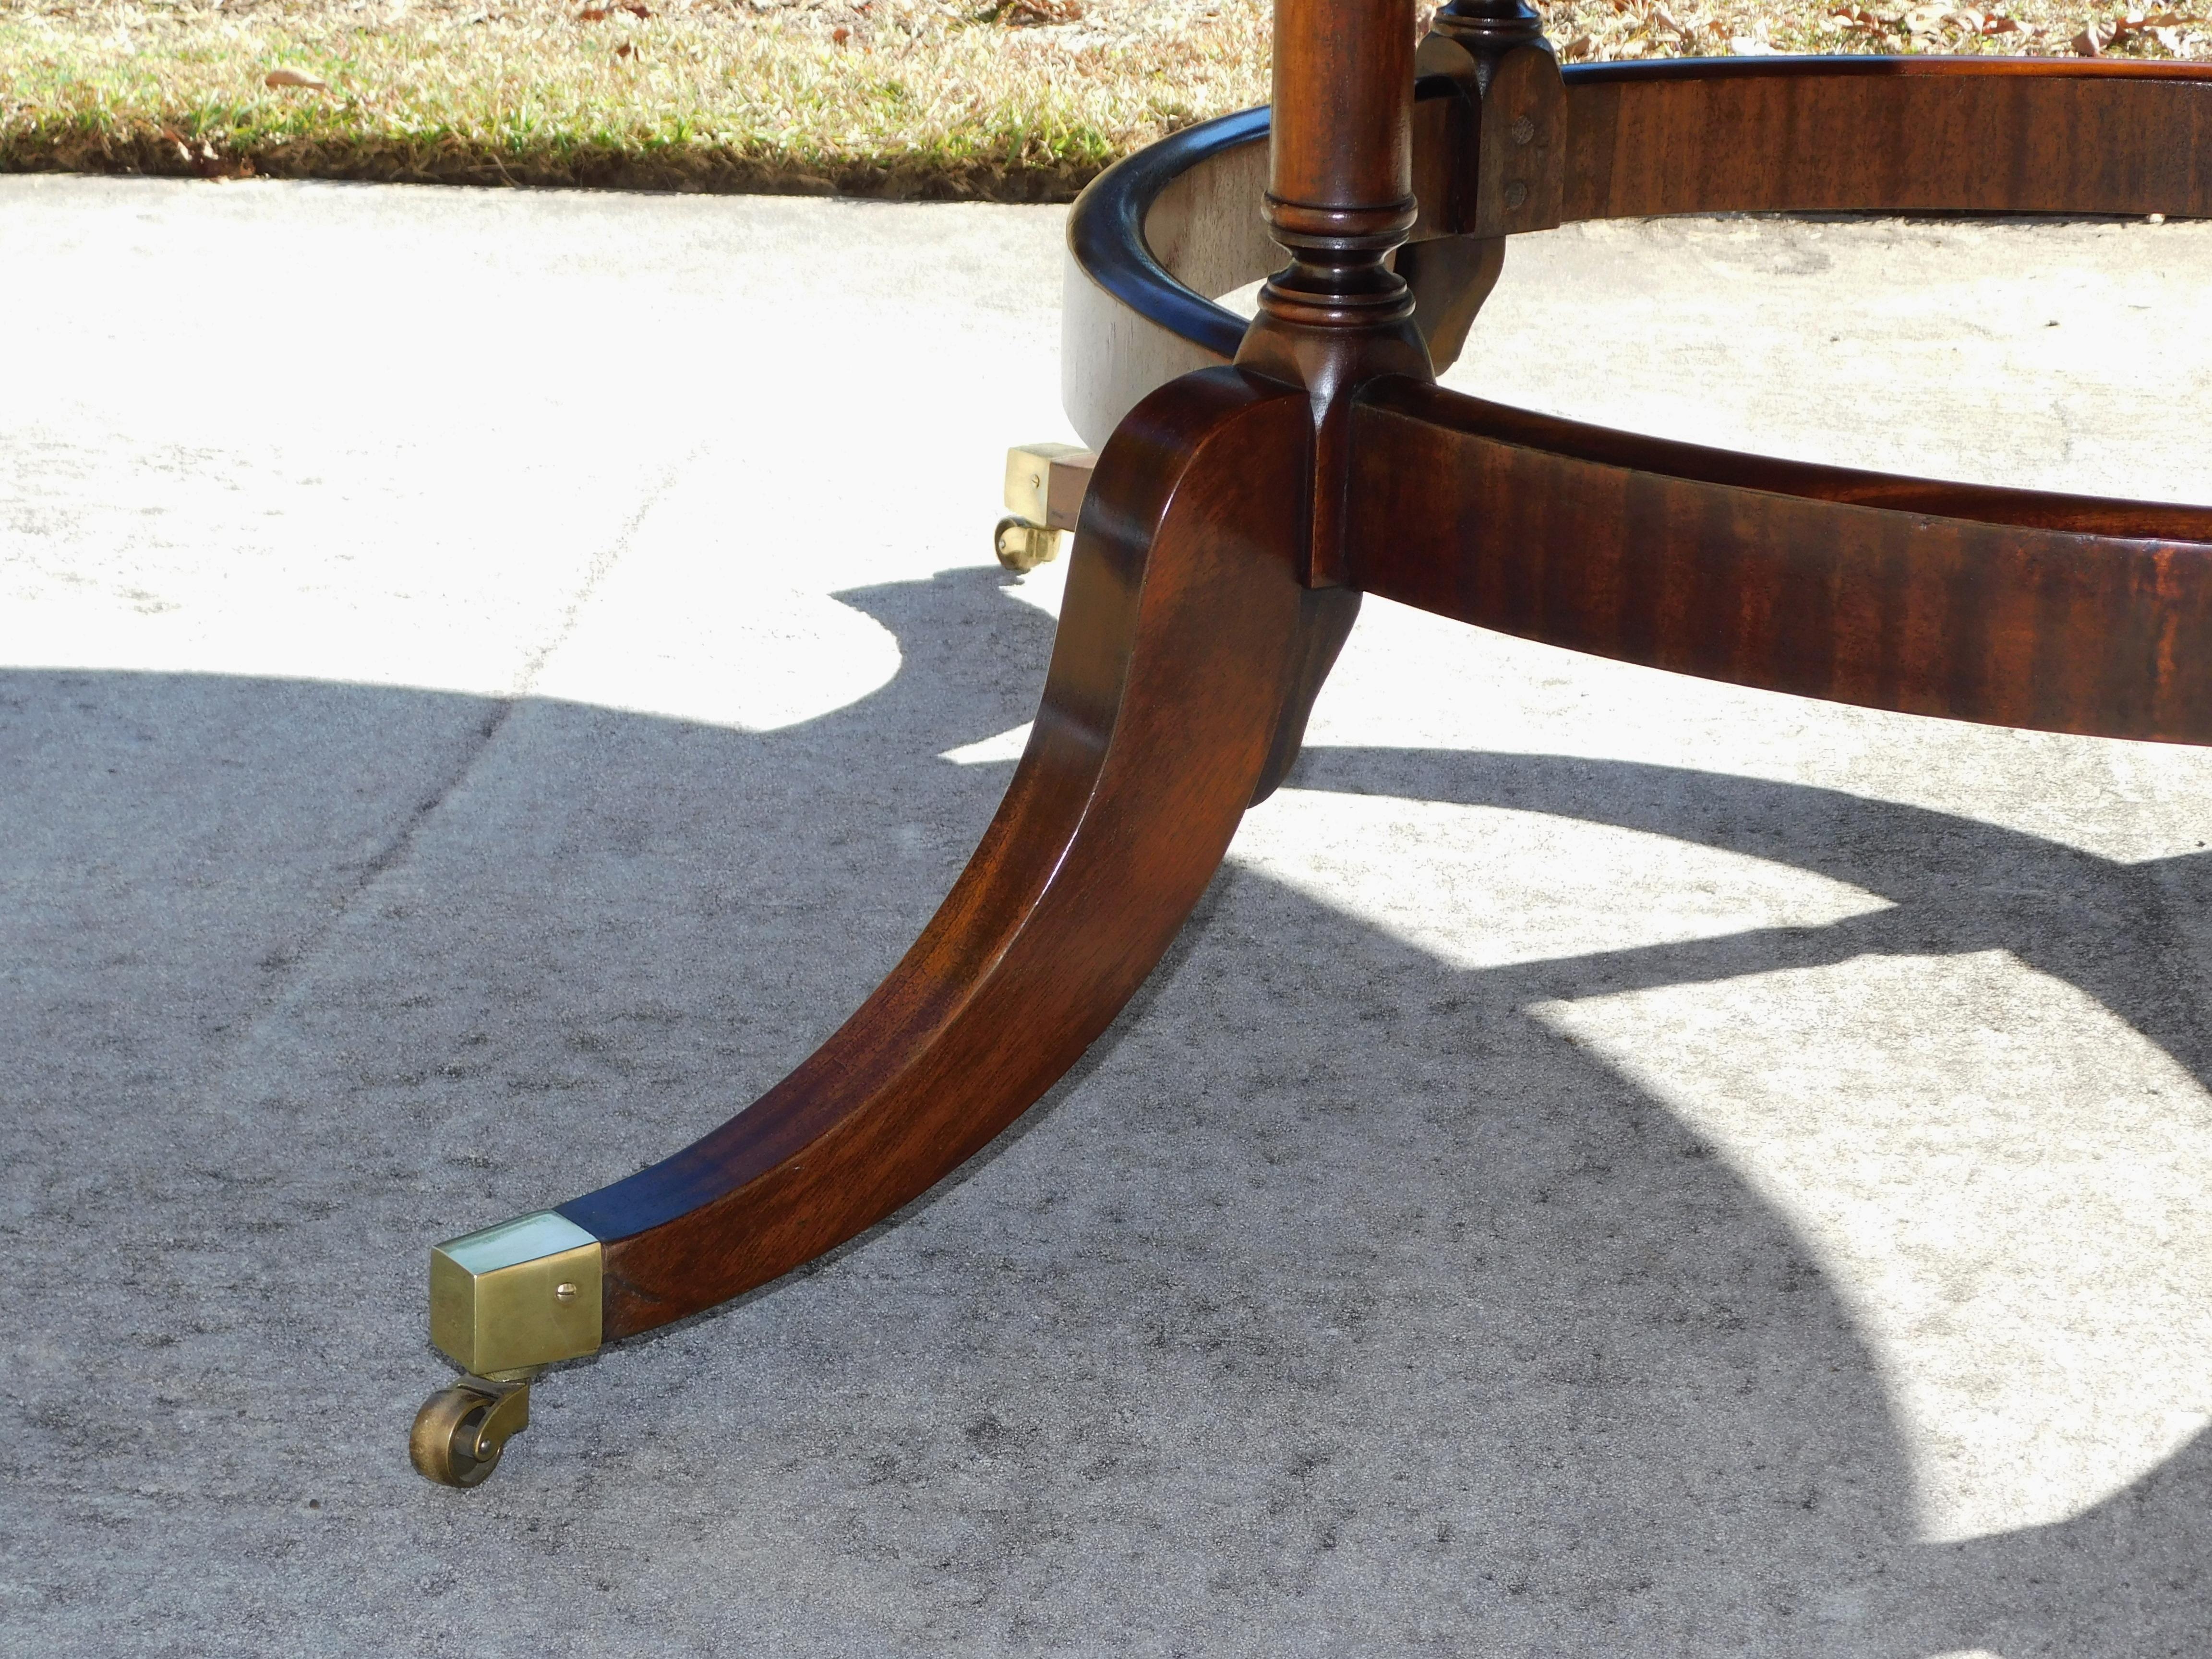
(460, 1433)
(1024, 546)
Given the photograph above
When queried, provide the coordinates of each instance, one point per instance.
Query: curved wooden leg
(1450, 279)
(1325, 619)
(1181, 644)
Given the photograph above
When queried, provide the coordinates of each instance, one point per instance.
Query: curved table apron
(2062, 613)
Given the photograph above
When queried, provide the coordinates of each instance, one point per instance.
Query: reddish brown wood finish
(1826, 134)
(1343, 103)
(1190, 651)
(2062, 613)
(1236, 514)
(1340, 199)
(1180, 645)
(1504, 123)
(1903, 134)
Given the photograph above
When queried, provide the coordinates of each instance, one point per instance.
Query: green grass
(884, 98)
(694, 101)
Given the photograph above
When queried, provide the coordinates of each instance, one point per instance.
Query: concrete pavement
(1617, 1165)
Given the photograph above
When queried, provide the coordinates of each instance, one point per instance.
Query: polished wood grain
(1150, 244)
(1502, 171)
(2062, 613)
(1343, 103)
(1194, 638)
(1181, 643)
(1339, 200)
(1236, 514)
(1157, 239)
(1974, 134)
(1449, 278)
(2069, 613)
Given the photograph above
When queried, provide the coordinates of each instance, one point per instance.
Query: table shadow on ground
(1374, 1309)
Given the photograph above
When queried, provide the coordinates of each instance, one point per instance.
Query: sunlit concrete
(1617, 1165)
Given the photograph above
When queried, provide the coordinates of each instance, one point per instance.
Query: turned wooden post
(1340, 188)
(1339, 198)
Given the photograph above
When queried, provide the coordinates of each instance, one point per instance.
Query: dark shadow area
(1333, 1304)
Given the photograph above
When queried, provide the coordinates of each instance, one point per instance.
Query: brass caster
(1024, 546)
(461, 1430)
(1045, 486)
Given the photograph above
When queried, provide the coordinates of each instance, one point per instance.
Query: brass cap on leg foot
(504, 1303)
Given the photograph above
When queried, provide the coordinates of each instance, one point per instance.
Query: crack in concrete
(298, 958)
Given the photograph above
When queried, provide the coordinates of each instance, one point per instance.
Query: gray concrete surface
(1617, 1166)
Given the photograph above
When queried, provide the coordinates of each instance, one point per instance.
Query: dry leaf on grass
(1934, 22)
(2163, 27)
(1929, 22)
(203, 158)
(1022, 13)
(292, 77)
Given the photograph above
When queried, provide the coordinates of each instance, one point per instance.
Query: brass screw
(564, 1292)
